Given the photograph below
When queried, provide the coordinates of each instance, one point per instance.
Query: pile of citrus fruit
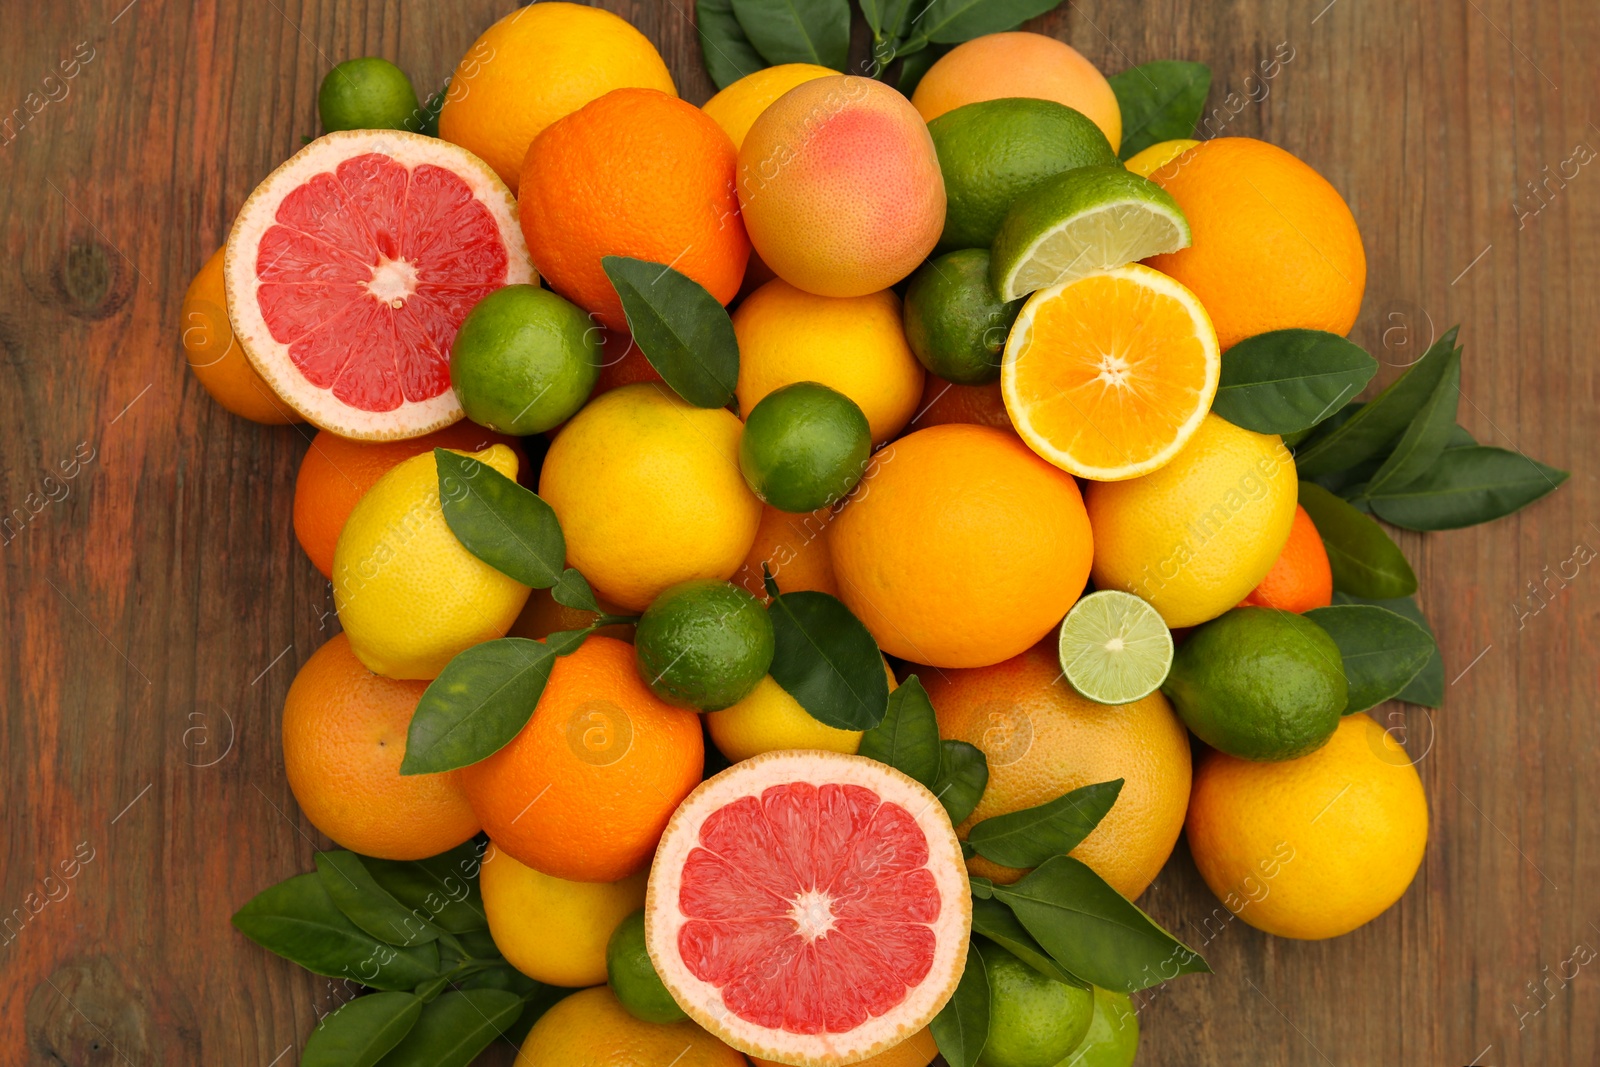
(803, 561)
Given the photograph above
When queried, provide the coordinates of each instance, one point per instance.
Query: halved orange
(1110, 375)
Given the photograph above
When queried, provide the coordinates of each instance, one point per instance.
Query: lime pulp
(1114, 647)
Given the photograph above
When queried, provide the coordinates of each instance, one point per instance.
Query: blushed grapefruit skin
(446, 278)
(667, 927)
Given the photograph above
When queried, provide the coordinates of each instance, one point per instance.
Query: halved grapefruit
(351, 266)
(809, 907)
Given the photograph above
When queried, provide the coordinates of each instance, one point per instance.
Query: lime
(703, 644)
(368, 93)
(1259, 684)
(633, 977)
(804, 446)
(954, 323)
(1086, 220)
(524, 361)
(1114, 647)
(1113, 1037)
(993, 151)
(1034, 1020)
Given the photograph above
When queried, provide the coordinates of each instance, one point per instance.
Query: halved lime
(1114, 647)
(1081, 221)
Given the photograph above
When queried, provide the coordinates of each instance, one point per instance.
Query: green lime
(524, 361)
(804, 446)
(1114, 647)
(633, 977)
(1259, 684)
(427, 119)
(703, 644)
(367, 94)
(993, 151)
(1082, 221)
(1034, 1020)
(1113, 1037)
(954, 323)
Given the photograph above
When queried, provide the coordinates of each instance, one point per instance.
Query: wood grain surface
(156, 605)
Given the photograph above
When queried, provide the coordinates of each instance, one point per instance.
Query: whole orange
(216, 359)
(960, 547)
(336, 473)
(585, 789)
(944, 402)
(1274, 245)
(795, 551)
(1301, 578)
(344, 735)
(635, 173)
(1042, 740)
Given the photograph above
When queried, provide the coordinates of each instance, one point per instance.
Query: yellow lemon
(649, 494)
(737, 107)
(409, 595)
(1311, 847)
(550, 929)
(591, 1029)
(1158, 155)
(1196, 536)
(769, 719)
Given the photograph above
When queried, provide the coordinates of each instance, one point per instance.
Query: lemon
(1158, 155)
(649, 494)
(770, 719)
(409, 595)
(737, 107)
(1195, 536)
(591, 1029)
(550, 929)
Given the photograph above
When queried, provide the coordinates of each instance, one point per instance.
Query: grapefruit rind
(270, 357)
(703, 1001)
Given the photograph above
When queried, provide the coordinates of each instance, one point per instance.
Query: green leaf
(999, 924)
(888, 20)
(1428, 435)
(572, 591)
(908, 737)
(963, 776)
(442, 888)
(682, 330)
(797, 31)
(728, 53)
(1460, 437)
(499, 521)
(565, 642)
(455, 1028)
(1093, 931)
(364, 902)
(915, 63)
(962, 1026)
(1382, 650)
(825, 659)
(1427, 688)
(1365, 562)
(298, 920)
(1466, 486)
(1373, 428)
(1028, 837)
(1289, 380)
(361, 1030)
(955, 21)
(478, 703)
(1160, 101)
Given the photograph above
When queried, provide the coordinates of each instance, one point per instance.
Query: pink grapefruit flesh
(351, 266)
(809, 907)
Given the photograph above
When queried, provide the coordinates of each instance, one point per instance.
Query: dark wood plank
(157, 606)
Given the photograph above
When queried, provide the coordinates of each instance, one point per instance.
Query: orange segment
(1108, 377)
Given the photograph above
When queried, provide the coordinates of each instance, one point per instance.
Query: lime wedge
(1081, 221)
(1114, 647)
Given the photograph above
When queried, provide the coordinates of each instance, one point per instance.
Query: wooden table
(157, 606)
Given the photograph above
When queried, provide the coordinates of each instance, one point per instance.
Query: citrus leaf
(1289, 380)
(298, 920)
(824, 658)
(361, 1030)
(455, 1028)
(1028, 837)
(572, 591)
(963, 776)
(364, 902)
(1427, 688)
(955, 21)
(1466, 486)
(917, 62)
(479, 702)
(1093, 931)
(1365, 562)
(797, 31)
(443, 888)
(1429, 434)
(1160, 101)
(908, 737)
(999, 924)
(1382, 650)
(508, 527)
(682, 330)
(1460, 437)
(962, 1026)
(889, 20)
(728, 53)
